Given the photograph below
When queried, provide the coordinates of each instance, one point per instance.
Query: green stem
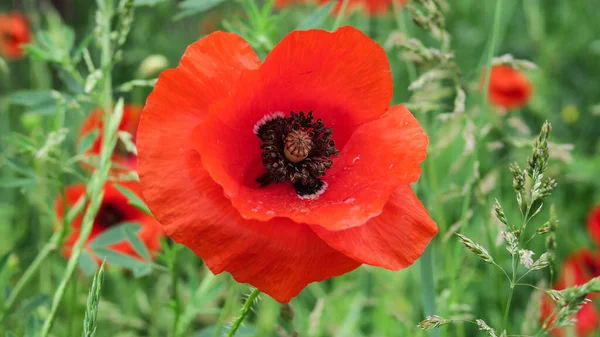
(48, 248)
(492, 52)
(54, 242)
(174, 283)
(340, 16)
(508, 301)
(190, 312)
(401, 22)
(428, 288)
(245, 310)
(229, 301)
(95, 187)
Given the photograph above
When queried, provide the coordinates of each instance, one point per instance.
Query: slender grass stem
(428, 286)
(341, 14)
(245, 310)
(94, 189)
(229, 301)
(492, 52)
(401, 22)
(54, 242)
(173, 269)
(190, 311)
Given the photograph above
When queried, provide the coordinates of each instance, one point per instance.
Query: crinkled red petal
(379, 156)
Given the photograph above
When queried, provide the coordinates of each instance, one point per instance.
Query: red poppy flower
(286, 172)
(594, 224)
(129, 123)
(578, 268)
(509, 88)
(115, 209)
(14, 32)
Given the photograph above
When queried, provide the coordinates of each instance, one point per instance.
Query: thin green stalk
(244, 312)
(492, 52)
(173, 269)
(191, 310)
(509, 300)
(229, 301)
(341, 14)
(48, 248)
(95, 187)
(54, 242)
(401, 22)
(428, 287)
(515, 265)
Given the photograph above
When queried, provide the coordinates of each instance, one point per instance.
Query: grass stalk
(94, 189)
(244, 312)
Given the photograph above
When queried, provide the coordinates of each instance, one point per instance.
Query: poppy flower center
(7, 37)
(109, 215)
(297, 149)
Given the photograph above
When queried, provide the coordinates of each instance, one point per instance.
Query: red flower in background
(287, 172)
(115, 209)
(509, 88)
(129, 123)
(594, 224)
(578, 268)
(14, 32)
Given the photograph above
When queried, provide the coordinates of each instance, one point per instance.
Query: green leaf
(134, 200)
(142, 270)
(87, 263)
(87, 141)
(10, 334)
(316, 19)
(113, 235)
(38, 54)
(193, 7)
(70, 82)
(136, 243)
(17, 182)
(33, 303)
(4, 261)
(78, 53)
(30, 97)
(118, 259)
(32, 328)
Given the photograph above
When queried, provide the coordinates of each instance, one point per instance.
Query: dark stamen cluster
(296, 149)
(109, 215)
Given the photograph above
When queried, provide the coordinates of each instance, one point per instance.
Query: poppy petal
(594, 224)
(344, 77)
(279, 257)
(392, 240)
(379, 156)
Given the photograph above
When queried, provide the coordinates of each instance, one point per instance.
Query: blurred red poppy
(578, 268)
(594, 224)
(115, 209)
(129, 123)
(509, 88)
(14, 33)
(286, 172)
